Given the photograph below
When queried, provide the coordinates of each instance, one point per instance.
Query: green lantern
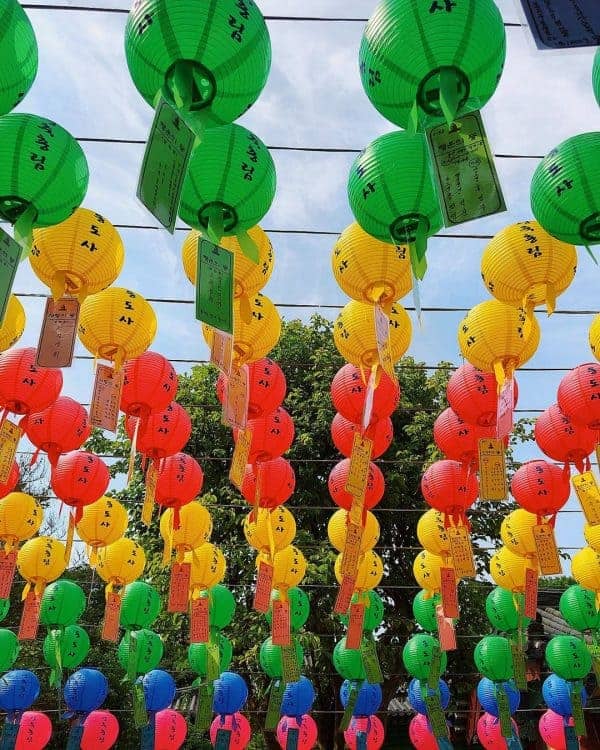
(392, 196)
(271, 660)
(299, 607)
(374, 610)
(569, 657)
(424, 610)
(431, 60)
(139, 651)
(140, 606)
(210, 59)
(420, 654)
(4, 608)
(18, 55)
(348, 662)
(65, 649)
(493, 658)
(565, 190)
(578, 607)
(198, 654)
(596, 76)
(221, 608)
(43, 173)
(9, 649)
(63, 603)
(501, 609)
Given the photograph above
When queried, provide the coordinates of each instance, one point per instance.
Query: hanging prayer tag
(147, 733)
(368, 405)
(588, 493)
(214, 286)
(349, 710)
(368, 652)
(562, 24)
(351, 551)
(577, 706)
(275, 698)
(106, 398)
(8, 565)
(112, 613)
(10, 256)
(344, 596)
(223, 739)
(461, 551)
(505, 411)
(449, 593)
(58, 334)
(531, 593)
(10, 434)
(504, 710)
(30, 618)
(361, 741)
(235, 406)
(382, 333)
(213, 661)
(492, 470)
(239, 459)
(360, 458)
(10, 732)
(446, 632)
(204, 713)
(148, 506)
(547, 551)
(293, 737)
(436, 716)
(264, 586)
(519, 667)
(291, 668)
(75, 737)
(435, 669)
(199, 620)
(280, 624)
(140, 715)
(179, 587)
(356, 621)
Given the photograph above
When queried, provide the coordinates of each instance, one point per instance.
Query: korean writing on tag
(223, 739)
(30, 617)
(368, 405)
(214, 286)
(8, 565)
(204, 713)
(531, 593)
(492, 470)
(112, 613)
(10, 256)
(351, 551)
(179, 587)
(588, 494)
(264, 586)
(446, 632)
(562, 24)
(344, 596)
(275, 698)
(461, 551)
(577, 706)
(165, 164)
(221, 351)
(382, 334)
(519, 666)
(464, 170)
(293, 736)
(239, 459)
(281, 634)
(291, 668)
(505, 411)
(547, 551)
(148, 506)
(106, 398)
(435, 668)
(10, 434)
(213, 661)
(358, 474)
(349, 710)
(504, 710)
(368, 652)
(199, 622)
(58, 333)
(449, 592)
(356, 621)
(235, 406)
(436, 715)
(140, 715)
(594, 650)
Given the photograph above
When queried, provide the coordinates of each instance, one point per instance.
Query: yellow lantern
(195, 528)
(524, 266)
(40, 561)
(289, 567)
(248, 277)
(592, 536)
(369, 270)
(427, 570)
(271, 530)
(337, 530)
(256, 329)
(116, 324)
(594, 336)
(355, 338)
(80, 256)
(585, 569)
(20, 518)
(121, 563)
(13, 325)
(208, 567)
(102, 524)
(509, 570)
(516, 532)
(498, 338)
(432, 534)
(369, 573)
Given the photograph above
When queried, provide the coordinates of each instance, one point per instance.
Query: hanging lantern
(102, 523)
(289, 567)
(563, 441)
(504, 610)
(349, 391)
(585, 569)
(20, 518)
(12, 481)
(421, 734)
(355, 338)
(35, 731)
(195, 528)
(424, 57)
(473, 395)
(540, 487)
(78, 479)
(18, 56)
(578, 607)
(162, 434)
(427, 570)
(140, 651)
(579, 395)
(368, 573)
(594, 337)
(62, 427)
(551, 727)
(254, 334)
(592, 536)
(149, 385)
(450, 488)
(419, 653)
(208, 568)
(458, 440)
(180, 480)
(270, 531)
(432, 534)
(306, 728)
(13, 325)
(272, 435)
(498, 338)
(516, 533)
(508, 570)
(237, 724)
(337, 530)
(116, 324)
(170, 730)
(569, 657)
(276, 486)
(337, 485)
(343, 431)
(80, 256)
(564, 190)
(392, 196)
(141, 606)
(25, 387)
(100, 730)
(266, 387)
(119, 564)
(40, 561)
(63, 603)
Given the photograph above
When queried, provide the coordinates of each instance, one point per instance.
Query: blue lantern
(417, 700)
(231, 692)
(368, 700)
(159, 689)
(85, 691)
(487, 691)
(298, 698)
(19, 688)
(557, 695)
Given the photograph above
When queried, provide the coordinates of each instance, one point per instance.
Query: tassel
(449, 100)
(248, 246)
(24, 229)
(215, 225)
(70, 535)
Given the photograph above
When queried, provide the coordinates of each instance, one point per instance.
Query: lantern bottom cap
(590, 229)
(198, 80)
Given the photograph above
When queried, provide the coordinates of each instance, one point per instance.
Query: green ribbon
(249, 247)
(575, 688)
(24, 230)
(273, 709)
(349, 710)
(449, 100)
(140, 716)
(215, 224)
(56, 671)
(504, 710)
(417, 250)
(436, 669)
(413, 119)
(132, 657)
(181, 93)
(204, 712)
(591, 254)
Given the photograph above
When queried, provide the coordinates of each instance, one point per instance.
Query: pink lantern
(237, 724)
(420, 733)
(489, 732)
(371, 726)
(170, 730)
(35, 731)
(100, 729)
(307, 731)
(552, 730)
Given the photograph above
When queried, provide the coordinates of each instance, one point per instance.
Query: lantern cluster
(230, 728)
(67, 644)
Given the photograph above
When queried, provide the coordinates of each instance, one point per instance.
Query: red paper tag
(449, 592)
(199, 625)
(106, 398)
(30, 619)
(179, 587)
(281, 634)
(112, 613)
(531, 593)
(446, 632)
(221, 351)
(344, 596)
(8, 564)
(506, 405)
(264, 586)
(355, 625)
(58, 334)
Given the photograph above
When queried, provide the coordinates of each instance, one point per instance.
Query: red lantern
(180, 480)
(458, 440)
(473, 395)
(64, 426)
(348, 392)
(450, 487)
(266, 387)
(100, 730)
(337, 485)
(562, 440)
(272, 435)
(540, 487)
(170, 730)
(11, 482)
(380, 432)
(35, 731)
(163, 433)
(78, 479)
(579, 395)
(277, 483)
(25, 387)
(149, 385)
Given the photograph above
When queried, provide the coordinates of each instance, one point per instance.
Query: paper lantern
(298, 697)
(369, 572)
(208, 567)
(277, 483)
(239, 726)
(170, 730)
(270, 531)
(299, 606)
(62, 427)
(585, 568)
(557, 695)
(9, 649)
(248, 277)
(25, 387)
(371, 727)
(337, 530)
(427, 570)
(569, 657)
(195, 528)
(368, 700)
(450, 488)
(369, 270)
(487, 693)
(140, 606)
(380, 432)
(66, 649)
(180, 480)
(424, 610)
(391, 193)
(85, 691)
(579, 395)
(148, 649)
(266, 387)
(594, 337)
(508, 570)
(349, 390)
(20, 518)
(12, 481)
(102, 524)
(44, 174)
(489, 732)
(374, 611)
(116, 324)
(473, 395)
(272, 435)
(516, 532)
(221, 606)
(35, 731)
(505, 610)
(121, 563)
(419, 653)
(230, 693)
(159, 689)
(564, 190)
(289, 567)
(18, 58)
(80, 256)
(337, 485)
(13, 325)
(149, 385)
(459, 440)
(540, 487)
(271, 660)
(432, 534)
(563, 441)
(493, 658)
(79, 478)
(63, 603)
(421, 734)
(552, 730)
(100, 730)
(308, 732)
(230, 183)
(419, 57)
(162, 434)
(416, 695)
(348, 661)
(578, 607)
(19, 688)
(40, 561)
(498, 338)
(198, 654)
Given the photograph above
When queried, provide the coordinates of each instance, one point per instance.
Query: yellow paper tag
(240, 458)
(589, 496)
(10, 434)
(492, 470)
(351, 552)
(221, 351)
(360, 458)
(148, 506)
(382, 334)
(547, 551)
(235, 405)
(461, 551)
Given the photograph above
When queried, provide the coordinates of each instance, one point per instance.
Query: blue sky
(313, 98)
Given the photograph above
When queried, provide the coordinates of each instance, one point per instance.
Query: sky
(313, 98)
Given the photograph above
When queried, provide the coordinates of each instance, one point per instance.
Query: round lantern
(337, 485)
(40, 561)
(80, 256)
(505, 610)
(569, 657)
(13, 325)
(9, 649)
(349, 391)
(585, 568)
(299, 606)
(450, 488)
(458, 440)
(277, 483)
(116, 324)
(427, 570)
(371, 727)
(230, 693)
(25, 387)
(101, 524)
(493, 658)
(271, 660)
(239, 726)
(170, 730)
(579, 395)
(20, 518)
(140, 606)
(369, 270)
(380, 432)
(489, 732)
(85, 691)
(63, 603)
(564, 190)
(79, 478)
(195, 528)
(221, 606)
(419, 653)
(289, 567)
(369, 572)
(100, 730)
(473, 395)
(44, 174)
(306, 726)
(552, 730)
(508, 570)
(516, 532)
(424, 610)
(270, 531)
(162, 434)
(159, 689)
(498, 338)
(540, 487)
(198, 654)
(416, 695)
(348, 661)
(66, 648)
(374, 611)
(557, 695)
(12, 481)
(148, 649)
(230, 184)
(180, 480)
(487, 693)
(578, 607)
(18, 56)
(594, 337)
(337, 530)
(563, 441)
(35, 731)
(208, 567)
(19, 688)
(298, 697)
(121, 563)
(421, 734)
(62, 427)
(368, 700)
(432, 534)
(266, 387)
(272, 435)
(149, 385)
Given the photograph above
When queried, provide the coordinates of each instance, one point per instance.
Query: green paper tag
(368, 652)
(504, 710)
(436, 715)
(147, 737)
(140, 717)
(273, 709)
(9, 736)
(75, 737)
(10, 256)
(132, 657)
(518, 657)
(214, 286)
(594, 650)
(204, 712)
(293, 737)
(223, 739)
(291, 668)
(464, 171)
(580, 730)
(249, 247)
(165, 164)
(213, 659)
(361, 741)
(435, 670)
(348, 711)
(571, 738)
